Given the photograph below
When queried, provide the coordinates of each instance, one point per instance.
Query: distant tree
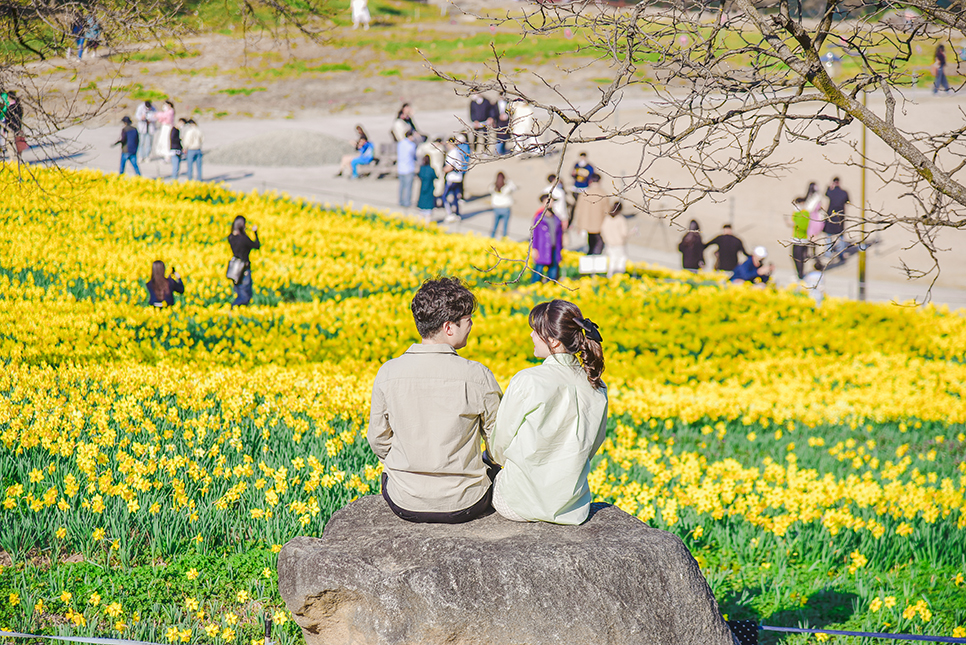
(735, 80)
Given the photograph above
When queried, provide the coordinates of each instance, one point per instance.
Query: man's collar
(436, 348)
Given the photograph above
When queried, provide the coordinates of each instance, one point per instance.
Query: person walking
(559, 194)
(92, 34)
(729, 246)
(176, 149)
(692, 248)
(800, 221)
(436, 150)
(813, 204)
(360, 13)
(406, 168)
(615, 231)
(501, 198)
(403, 123)
(77, 33)
(427, 188)
(161, 289)
(129, 145)
(547, 242)
(145, 116)
(482, 119)
(241, 248)
(581, 173)
(193, 140)
(11, 125)
(592, 207)
(454, 170)
(835, 243)
(501, 126)
(939, 69)
(165, 121)
(522, 120)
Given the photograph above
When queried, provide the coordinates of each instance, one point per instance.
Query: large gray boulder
(374, 579)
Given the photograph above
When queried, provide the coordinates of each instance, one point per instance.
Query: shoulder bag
(236, 267)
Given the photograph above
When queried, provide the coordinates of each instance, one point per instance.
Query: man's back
(129, 139)
(837, 199)
(430, 410)
(480, 111)
(728, 248)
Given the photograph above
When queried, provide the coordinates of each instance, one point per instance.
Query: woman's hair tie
(591, 330)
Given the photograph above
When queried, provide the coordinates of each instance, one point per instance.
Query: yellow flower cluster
(645, 476)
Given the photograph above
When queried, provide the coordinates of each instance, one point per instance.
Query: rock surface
(375, 579)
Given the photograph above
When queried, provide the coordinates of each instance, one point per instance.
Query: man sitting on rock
(430, 408)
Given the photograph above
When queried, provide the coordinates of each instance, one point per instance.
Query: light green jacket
(550, 424)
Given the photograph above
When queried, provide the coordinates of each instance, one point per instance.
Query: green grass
(442, 48)
(291, 69)
(170, 51)
(247, 91)
(137, 92)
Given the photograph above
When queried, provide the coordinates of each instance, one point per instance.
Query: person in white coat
(552, 421)
(360, 13)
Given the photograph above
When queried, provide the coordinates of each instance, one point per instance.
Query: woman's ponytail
(562, 320)
(591, 354)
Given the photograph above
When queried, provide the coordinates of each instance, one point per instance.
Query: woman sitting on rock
(552, 421)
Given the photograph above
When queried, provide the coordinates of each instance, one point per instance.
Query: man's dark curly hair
(438, 301)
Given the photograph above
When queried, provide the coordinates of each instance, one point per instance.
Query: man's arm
(379, 434)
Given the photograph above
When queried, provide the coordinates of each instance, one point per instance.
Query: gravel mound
(281, 148)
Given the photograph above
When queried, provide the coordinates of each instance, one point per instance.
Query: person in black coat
(129, 145)
(692, 248)
(161, 289)
(481, 118)
(241, 248)
(176, 149)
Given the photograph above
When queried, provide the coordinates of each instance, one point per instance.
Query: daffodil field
(154, 460)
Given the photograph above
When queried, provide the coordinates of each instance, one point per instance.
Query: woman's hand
(175, 275)
(254, 228)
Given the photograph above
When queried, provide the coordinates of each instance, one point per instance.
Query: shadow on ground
(823, 609)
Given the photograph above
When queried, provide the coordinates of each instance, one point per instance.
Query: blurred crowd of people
(819, 240)
(157, 136)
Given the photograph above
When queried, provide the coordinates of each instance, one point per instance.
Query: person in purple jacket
(547, 241)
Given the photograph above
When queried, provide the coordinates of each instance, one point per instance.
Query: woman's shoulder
(525, 378)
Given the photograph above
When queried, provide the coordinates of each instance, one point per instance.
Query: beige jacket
(614, 231)
(430, 409)
(593, 205)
